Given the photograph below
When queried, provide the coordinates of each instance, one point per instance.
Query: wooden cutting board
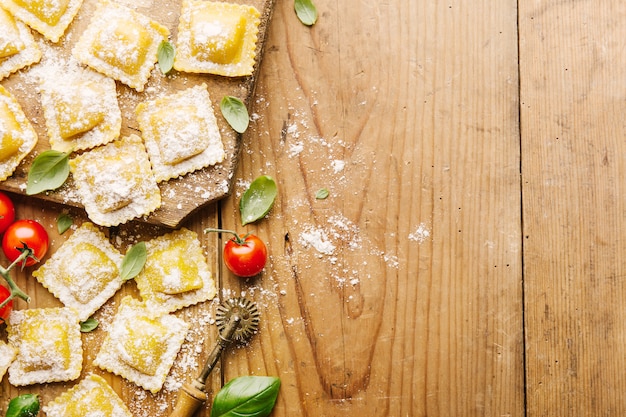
(181, 196)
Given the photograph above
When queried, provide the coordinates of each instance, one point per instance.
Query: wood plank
(180, 196)
(572, 110)
(399, 294)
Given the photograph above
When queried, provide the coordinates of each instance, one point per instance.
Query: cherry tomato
(6, 309)
(245, 256)
(27, 232)
(7, 212)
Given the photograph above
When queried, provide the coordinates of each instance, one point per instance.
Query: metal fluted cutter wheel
(249, 318)
(237, 320)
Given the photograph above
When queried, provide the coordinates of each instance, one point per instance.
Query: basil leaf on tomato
(250, 396)
(258, 199)
(48, 171)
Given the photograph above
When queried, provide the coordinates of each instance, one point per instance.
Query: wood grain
(407, 113)
(572, 105)
(180, 196)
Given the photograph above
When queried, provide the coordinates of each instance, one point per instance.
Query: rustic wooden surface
(467, 261)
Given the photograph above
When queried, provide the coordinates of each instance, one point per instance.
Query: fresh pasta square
(140, 346)
(176, 273)
(115, 182)
(18, 48)
(50, 18)
(84, 272)
(80, 108)
(180, 133)
(92, 396)
(121, 43)
(7, 355)
(217, 38)
(48, 343)
(17, 136)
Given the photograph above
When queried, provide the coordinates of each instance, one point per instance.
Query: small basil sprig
(64, 222)
(133, 261)
(165, 56)
(250, 396)
(322, 194)
(48, 171)
(89, 325)
(26, 405)
(258, 199)
(306, 12)
(235, 113)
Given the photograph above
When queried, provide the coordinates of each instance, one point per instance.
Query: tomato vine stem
(240, 240)
(6, 274)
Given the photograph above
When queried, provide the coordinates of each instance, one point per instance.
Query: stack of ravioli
(144, 337)
(117, 177)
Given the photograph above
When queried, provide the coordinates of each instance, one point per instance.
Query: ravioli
(50, 18)
(180, 132)
(176, 273)
(7, 355)
(81, 109)
(115, 183)
(121, 44)
(18, 48)
(17, 136)
(84, 272)
(92, 396)
(48, 344)
(140, 346)
(217, 38)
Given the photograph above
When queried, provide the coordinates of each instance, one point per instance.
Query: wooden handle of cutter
(190, 398)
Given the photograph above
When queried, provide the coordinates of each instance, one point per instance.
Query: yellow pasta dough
(17, 136)
(17, 45)
(92, 396)
(48, 344)
(176, 273)
(84, 272)
(180, 132)
(216, 38)
(140, 346)
(121, 43)
(81, 109)
(7, 355)
(115, 182)
(48, 17)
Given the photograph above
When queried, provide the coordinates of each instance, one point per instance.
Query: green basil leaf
(48, 171)
(133, 261)
(306, 11)
(235, 113)
(250, 396)
(88, 325)
(64, 222)
(26, 405)
(165, 55)
(322, 194)
(258, 199)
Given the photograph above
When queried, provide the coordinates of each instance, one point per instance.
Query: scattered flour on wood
(421, 234)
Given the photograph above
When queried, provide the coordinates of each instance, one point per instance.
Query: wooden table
(469, 259)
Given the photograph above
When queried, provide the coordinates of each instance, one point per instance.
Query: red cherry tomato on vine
(27, 232)
(7, 212)
(245, 255)
(6, 309)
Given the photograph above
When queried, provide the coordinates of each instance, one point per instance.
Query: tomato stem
(240, 240)
(5, 272)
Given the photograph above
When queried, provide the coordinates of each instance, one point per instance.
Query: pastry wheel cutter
(237, 320)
